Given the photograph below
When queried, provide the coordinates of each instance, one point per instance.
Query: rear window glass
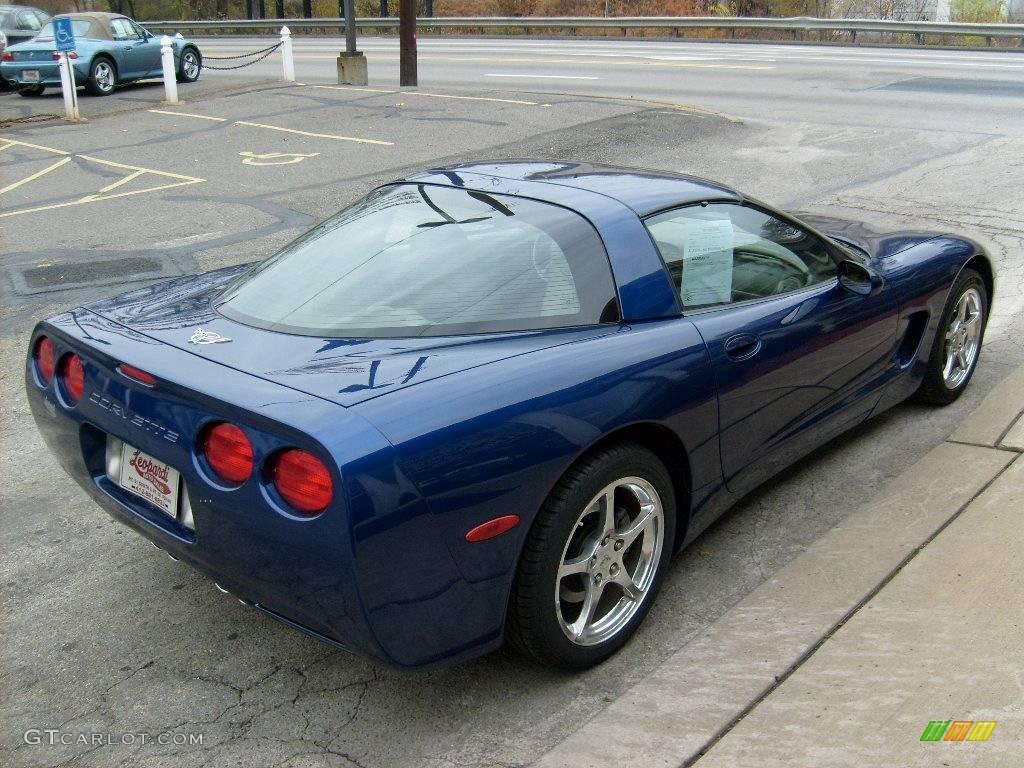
(80, 27)
(422, 260)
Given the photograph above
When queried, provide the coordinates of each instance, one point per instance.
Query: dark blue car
(489, 402)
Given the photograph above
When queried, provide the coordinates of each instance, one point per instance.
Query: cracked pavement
(104, 634)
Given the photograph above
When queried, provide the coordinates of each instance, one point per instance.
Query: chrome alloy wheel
(103, 74)
(190, 65)
(963, 337)
(610, 561)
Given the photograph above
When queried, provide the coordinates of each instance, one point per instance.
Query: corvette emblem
(199, 336)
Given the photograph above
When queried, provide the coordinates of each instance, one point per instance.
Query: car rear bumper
(49, 73)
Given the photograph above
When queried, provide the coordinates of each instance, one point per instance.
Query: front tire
(594, 558)
(190, 64)
(957, 345)
(102, 77)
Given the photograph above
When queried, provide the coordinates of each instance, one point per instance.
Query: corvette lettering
(121, 411)
(149, 470)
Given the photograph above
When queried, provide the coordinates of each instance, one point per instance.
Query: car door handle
(742, 346)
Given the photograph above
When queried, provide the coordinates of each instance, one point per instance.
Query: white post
(287, 60)
(67, 87)
(170, 78)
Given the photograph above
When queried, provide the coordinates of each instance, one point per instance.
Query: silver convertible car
(110, 50)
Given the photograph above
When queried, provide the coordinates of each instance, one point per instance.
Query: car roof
(100, 28)
(644, 191)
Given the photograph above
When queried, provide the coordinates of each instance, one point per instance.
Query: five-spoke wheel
(957, 344)
(963, 338)
(609, 562)
(594, 558)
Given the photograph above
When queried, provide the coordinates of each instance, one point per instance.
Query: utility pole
(350, 27)
(383, 9)
(351, 63)
(407, 42)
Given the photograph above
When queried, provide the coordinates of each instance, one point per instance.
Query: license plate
(150, 479)
(30, 75)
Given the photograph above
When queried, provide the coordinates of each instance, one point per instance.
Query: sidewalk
(908, 612)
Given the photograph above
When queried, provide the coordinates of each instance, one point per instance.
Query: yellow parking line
(122, 182)
(35, 176)
(180, 180)
(471, 98)
(189, 114)
(35, 146)
(422, 93)
(349, 88)
(315, 135)
(98, 197)
(190, 179)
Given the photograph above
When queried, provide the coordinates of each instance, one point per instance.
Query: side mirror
(859, 279)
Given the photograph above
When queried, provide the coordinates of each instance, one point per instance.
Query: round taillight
(72, 376)
(43, 355)
(302, 480)
(228, 452)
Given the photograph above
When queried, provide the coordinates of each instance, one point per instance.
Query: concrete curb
(697, 695)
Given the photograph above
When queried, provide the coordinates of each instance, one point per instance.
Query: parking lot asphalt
(102, 633)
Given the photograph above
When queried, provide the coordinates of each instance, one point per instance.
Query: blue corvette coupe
(490, 401)
(110, 50)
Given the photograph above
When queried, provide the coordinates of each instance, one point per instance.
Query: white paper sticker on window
(707, 263)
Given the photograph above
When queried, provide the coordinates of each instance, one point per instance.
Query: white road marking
(542, 77)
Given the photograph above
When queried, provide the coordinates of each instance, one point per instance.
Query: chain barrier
(262, 54)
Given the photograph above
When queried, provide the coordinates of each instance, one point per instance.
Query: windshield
(421, 260)
(79, 26)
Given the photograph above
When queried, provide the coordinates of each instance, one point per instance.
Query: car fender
(500, 442)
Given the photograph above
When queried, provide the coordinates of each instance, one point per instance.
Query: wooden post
(407, 42)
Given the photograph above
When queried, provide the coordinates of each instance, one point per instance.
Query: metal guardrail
(794, 25)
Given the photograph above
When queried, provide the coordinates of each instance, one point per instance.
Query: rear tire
(957, 346)
(102, 77)
(32, 90)
(586, 579)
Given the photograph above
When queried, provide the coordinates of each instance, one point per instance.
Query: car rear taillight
(227, 451)
(72, 376)
(71, 55)
(43, 355)
(302, 480)
(8, 56)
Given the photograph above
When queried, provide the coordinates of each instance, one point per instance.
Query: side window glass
(28, 20)
(724, 252)
(123, 30)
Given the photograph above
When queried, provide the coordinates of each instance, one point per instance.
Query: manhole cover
(43, 278)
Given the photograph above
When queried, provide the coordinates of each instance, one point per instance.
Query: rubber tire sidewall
(181, 76)
(533, 624)
(90, 84)
(933, 387)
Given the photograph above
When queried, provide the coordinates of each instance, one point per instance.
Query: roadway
(968, 90)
